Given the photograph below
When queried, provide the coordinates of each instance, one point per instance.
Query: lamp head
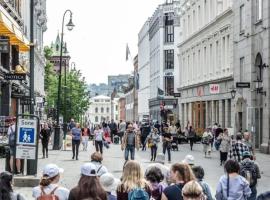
(70, 24)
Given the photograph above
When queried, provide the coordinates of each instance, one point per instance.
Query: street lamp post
(70, 26)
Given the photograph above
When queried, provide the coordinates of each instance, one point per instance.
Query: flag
(160, 92)
(127, 52)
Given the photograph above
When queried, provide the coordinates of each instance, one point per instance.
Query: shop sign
(4, 46)
(15, 77)
(177, 94)
(27, 100)
(214, 88)
(200, 91)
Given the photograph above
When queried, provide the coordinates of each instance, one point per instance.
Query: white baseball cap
(88, 169)
(189, 159)
(52, 170)
(109, 182)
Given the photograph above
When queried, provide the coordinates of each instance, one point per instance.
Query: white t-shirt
(13, 129)
(98, 135)
(61, 192)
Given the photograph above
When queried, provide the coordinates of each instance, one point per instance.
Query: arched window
(108, 109)
(96, 119)
(96, 109)
(102, 110)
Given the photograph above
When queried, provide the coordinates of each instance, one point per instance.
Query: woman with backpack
(155, 177)
(6, 190)
(181, 173)
(206, 141)
(232, 186)
(153, 139)
(89, 186)
(133, 185)
(199, 174)
(224, 147)
(96, 159)
(48, 185)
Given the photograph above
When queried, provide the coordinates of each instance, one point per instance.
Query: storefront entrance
(199, 116)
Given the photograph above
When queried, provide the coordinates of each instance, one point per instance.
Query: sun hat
(189, 159)
(109, 182)
(88, 169)
(52, 170)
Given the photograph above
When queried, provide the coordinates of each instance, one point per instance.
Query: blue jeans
(253, 195)
(131, 149)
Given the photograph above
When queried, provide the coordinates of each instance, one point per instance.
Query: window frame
(169, 59)
(242, 18)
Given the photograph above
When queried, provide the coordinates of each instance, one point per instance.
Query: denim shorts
(12, 150)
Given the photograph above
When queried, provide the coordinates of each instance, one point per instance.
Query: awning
(10, 29)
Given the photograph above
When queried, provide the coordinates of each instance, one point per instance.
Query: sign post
(27, 135)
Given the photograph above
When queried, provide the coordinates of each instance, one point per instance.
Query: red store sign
(214, 88)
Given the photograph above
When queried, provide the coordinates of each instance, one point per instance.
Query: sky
(97, 44)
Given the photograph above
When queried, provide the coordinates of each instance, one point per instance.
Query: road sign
(26, 139)
(243, 84)
(15, 77)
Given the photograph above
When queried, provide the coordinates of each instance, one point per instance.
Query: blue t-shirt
(76, 133)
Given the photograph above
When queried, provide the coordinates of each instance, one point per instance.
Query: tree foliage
(74, 96)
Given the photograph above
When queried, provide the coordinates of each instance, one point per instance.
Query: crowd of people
(184, 180)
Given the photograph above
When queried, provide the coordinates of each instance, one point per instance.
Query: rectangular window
(241, 75)
(205, 12)
(169, 59)
(242, 18)
(169, 85)
(199, 17)
(189, 26)
(169, 28)
(217, 56)
(259, 10)
(199, 61)
(211, 59)
(194, 21)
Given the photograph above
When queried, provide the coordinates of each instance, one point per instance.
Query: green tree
(74, 97)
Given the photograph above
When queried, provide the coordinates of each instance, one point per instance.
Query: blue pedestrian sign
(27, 136)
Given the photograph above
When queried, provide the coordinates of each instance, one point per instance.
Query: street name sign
(177, 94)
(243, 84)
(19, 77)
(26, 139)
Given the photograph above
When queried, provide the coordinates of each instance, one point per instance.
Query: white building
(206, 63)
(144, 71)
(164, 29)
(99, 109)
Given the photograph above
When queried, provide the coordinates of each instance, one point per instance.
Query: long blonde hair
(132, 177)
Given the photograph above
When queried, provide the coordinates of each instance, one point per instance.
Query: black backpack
(11, 138)
(248, 171)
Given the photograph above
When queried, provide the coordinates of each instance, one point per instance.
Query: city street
(113, 160)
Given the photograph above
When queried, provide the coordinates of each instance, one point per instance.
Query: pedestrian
(251, 172)
(89, 186)
(45, 135)
(6, 190)
(145, 130)
(193, 191)
(76, 133)
(199, 174)
(173, 128)
(206, 141)
(153, 139)
(12, 147)
(232, 186)
(71, 124)
(131, 140)
(98, 139)
(85, 137)
(157, 125)
(249, 144)
(181, 173)
(155, 177)
(264, 196)
(167, 142)
(113, 129)
(49, 184)
(122, 129)
(132, 183)
(191, 137)
(96, 159)
(109, 183)
(238, 148)
(224, 147)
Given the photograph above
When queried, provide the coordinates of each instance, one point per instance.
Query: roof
(101, 97)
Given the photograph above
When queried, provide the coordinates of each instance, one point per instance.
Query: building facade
(116, 82)
(206, 64)
(14, 53)
(163, 26)
(99, 110)
(251, 60)
(144, 71)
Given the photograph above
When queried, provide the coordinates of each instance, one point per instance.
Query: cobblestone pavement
(113, 159)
